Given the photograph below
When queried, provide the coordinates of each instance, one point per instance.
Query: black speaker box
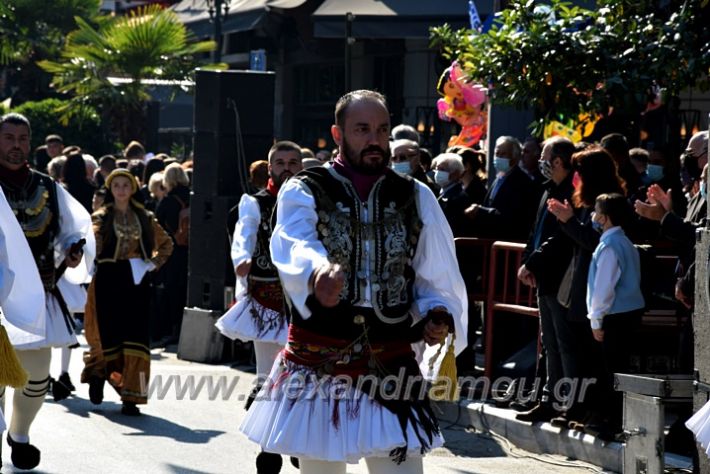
(209, 259)
(251, 91)
(217, 164)
(217, 159)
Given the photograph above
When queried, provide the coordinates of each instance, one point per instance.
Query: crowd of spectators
(568, 203)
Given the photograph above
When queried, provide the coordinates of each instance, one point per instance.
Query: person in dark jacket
(448, 169)
(545, 271)
(508, 211)
(176, 183)
(75, 180)
(474, 178)
(598, 174)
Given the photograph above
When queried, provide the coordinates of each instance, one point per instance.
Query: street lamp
(217, 9)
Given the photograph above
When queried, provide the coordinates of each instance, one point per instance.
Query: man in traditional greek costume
(367, 262)
(258, 314)
(53, 224)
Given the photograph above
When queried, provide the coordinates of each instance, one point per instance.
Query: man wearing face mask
(448, 170)
(544, 267)
(406, 160)
(508, 210)
(657, 173)
(681, 231)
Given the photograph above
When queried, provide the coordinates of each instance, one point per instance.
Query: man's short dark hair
(344, 102)
(563, 149)
(285, 145)
(133, 150)
(639, 154)
(425, 157)
(14, 118)
(616, 207)
(616, 144)
(54, 138)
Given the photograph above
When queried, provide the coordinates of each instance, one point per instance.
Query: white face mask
(402, 167)
(441, 177)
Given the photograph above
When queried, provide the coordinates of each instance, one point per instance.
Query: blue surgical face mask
(704, 189)
(596, 225)
(654, 172)
(502, 165)
(441, 177)
(402, 167)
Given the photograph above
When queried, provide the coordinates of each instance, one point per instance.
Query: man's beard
(15, 157)
(357, 161)
(279, 180)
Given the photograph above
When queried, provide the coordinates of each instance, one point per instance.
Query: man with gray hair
(406, 160)
(448, 170)
(508, 211)
(405, 132)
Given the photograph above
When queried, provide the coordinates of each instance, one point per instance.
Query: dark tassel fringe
(263, 322)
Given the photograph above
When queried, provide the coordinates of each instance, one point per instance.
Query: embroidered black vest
(374, 242)
(110, 241)
(262, 267)
(37, 210)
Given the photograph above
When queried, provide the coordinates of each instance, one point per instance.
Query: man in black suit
(545, 271)
(508, 210)
(448, 170)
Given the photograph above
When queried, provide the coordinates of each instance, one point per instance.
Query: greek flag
(473, 15)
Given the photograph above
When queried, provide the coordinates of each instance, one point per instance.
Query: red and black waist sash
(355, 357)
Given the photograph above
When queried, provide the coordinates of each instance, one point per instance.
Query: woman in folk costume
(21, 297)
(129, 243)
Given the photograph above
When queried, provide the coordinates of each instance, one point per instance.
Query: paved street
(200, 436)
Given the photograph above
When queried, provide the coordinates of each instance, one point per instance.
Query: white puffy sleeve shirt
(296, 252)
(244, 238)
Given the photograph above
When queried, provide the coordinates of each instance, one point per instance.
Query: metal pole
(217, 53)
(349, 40)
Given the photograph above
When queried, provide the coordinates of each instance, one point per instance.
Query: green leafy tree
(84, 130)
(565, 60)
(35, 30)
(103, 65)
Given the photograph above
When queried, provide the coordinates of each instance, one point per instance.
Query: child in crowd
(614, 301)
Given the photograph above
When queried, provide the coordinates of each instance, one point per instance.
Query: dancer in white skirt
(258, 314)
(368, 266)
(21, 295)
(53, 224)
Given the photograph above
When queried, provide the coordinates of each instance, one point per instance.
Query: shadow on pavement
(184, 470)
(468, 443)
(150, 425)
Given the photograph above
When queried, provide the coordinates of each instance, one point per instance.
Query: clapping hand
(562, 211)
(658, 204)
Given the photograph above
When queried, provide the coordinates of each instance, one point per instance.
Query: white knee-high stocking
(27, 402)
